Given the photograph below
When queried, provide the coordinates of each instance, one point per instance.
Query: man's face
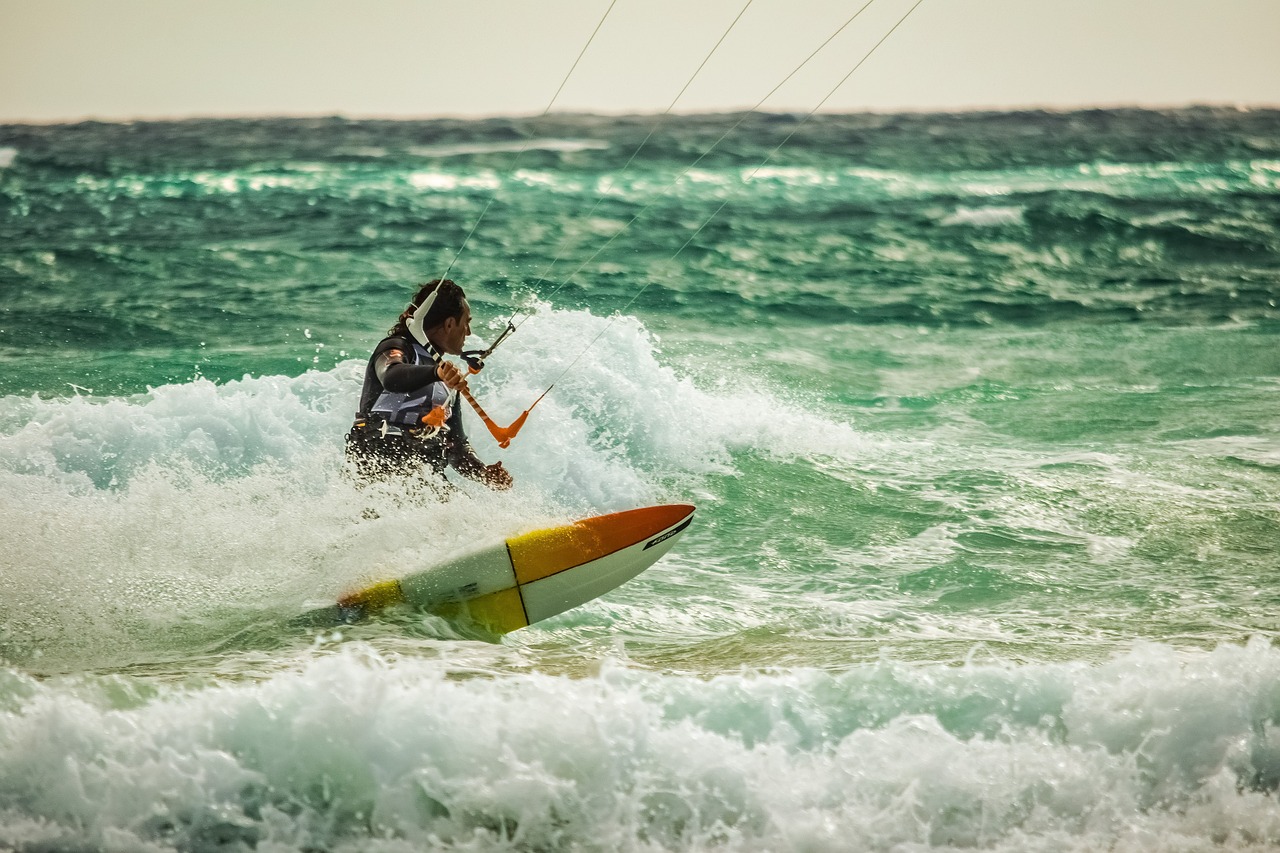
(454, 331)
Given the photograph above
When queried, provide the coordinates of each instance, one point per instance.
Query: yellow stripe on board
(376, 597)
(543, 553)
(500, 612)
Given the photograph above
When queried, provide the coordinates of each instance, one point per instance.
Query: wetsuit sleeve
(401, 377)
(395, 373)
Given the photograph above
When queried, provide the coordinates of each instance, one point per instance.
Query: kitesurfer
(408, 415)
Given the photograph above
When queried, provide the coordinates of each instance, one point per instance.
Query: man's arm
(464, 460)
(397, 374)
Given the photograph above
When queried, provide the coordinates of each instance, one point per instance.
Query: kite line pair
(476, 358)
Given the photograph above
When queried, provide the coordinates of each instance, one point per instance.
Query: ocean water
(981, 414)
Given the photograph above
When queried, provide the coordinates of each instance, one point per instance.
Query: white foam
(562, 146)
(446, 182)
(7, 156)
(619, 401)
(792, 175)
(984, 217)
(358, 750)
(219, 428)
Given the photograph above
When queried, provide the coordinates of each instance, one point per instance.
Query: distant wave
(564, 146)
(984, 217)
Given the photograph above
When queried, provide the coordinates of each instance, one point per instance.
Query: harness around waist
(376, 425)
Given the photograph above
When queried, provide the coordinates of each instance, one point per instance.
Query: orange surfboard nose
(542, 553)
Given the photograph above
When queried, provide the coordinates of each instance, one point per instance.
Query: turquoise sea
(981, 414)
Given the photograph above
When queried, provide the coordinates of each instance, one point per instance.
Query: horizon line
(626, 114)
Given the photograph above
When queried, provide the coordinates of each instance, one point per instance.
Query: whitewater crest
(1149, 749)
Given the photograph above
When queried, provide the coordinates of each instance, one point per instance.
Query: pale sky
(66, 60)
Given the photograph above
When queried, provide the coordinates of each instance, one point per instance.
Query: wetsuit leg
(374, 456)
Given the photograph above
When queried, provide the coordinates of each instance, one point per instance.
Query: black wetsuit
(376, 454)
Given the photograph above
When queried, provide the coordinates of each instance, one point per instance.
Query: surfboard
(507, 585)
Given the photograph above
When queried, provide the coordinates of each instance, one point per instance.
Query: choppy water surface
(979, 413)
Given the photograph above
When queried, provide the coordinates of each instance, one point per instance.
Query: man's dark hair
(448, 304)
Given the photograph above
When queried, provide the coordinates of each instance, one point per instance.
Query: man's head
(446, 321)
